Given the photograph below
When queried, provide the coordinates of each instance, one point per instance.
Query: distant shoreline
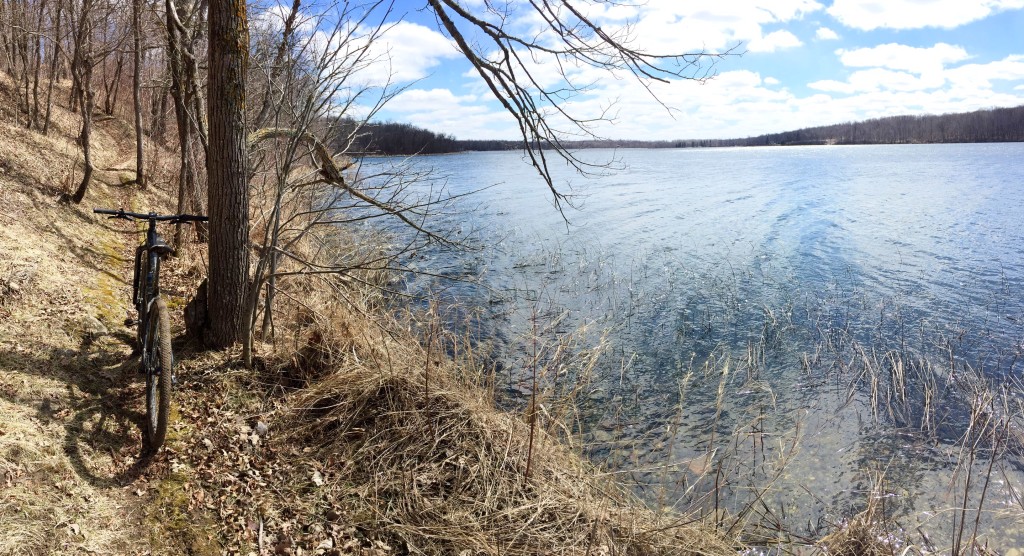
(616, 146)
(997, 125)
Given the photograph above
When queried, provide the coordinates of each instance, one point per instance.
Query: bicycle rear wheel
(158, 360)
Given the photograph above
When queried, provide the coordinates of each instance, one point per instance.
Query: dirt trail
(70, 396)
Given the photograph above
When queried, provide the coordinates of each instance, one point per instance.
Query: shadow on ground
(101, 409)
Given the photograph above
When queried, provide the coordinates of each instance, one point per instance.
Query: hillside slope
(69, 396)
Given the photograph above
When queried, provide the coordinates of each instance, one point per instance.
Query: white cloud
(894, 67)
(832, 86)
(406, 52)
(776, 40)
(883, 80)
(1010, 68)
(416, 100)
(271, 19)
(660, 26)
(915, 14)
(441, 110)
(735, 104)
(730, 105)
(743, 103)
(673, 26)
(825, 34)
(728, 113)
(878, 79)
(902, 57)
(905, 80)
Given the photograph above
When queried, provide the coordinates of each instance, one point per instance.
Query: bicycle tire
(159, 362)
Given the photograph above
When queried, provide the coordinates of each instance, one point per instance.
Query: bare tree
(56, 52)
(140, 176)
(227, 168)
(184, 31)
(307, 83)
(81, 67)
(22, 30)
(87, 55)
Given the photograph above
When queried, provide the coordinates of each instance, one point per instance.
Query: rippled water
(737, 289)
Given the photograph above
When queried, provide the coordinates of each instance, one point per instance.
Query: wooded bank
(983, 126)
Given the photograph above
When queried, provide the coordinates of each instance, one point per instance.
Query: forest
(394, 138)
(981, 126)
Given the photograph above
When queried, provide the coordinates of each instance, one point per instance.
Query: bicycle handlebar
(120, 213)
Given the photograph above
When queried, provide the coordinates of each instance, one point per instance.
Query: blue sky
(806, 62)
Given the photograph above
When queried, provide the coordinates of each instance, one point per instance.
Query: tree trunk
(158, 115)
(3, 37)
(55, 53)
(85, 102)
(112, 86)
(140, 176)
(37, 65)
(182, 92)
(83, 63)
(227, 170)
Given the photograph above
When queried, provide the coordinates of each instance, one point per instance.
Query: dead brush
(312, 278)
(442, 471)
(314, 269)
(868, 533)
(321, 337)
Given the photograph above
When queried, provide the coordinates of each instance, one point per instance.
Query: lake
(778, 326)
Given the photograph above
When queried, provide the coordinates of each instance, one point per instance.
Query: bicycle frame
(146, 279)
(145, 285)
(153, 325)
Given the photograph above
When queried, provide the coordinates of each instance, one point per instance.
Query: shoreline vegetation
(997, 125)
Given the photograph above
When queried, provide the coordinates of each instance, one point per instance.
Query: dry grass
(68, 399)
(868, 533)
(391, 438)
(427, 458)
(375, 443)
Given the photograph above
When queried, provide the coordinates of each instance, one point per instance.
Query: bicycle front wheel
(158, 360)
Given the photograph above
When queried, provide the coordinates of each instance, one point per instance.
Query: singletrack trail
(71, 408)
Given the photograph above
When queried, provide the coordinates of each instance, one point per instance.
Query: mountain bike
(153, 322)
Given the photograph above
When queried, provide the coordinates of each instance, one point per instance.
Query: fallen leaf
(284, 546)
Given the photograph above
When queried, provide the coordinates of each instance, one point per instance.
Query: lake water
(787, 322)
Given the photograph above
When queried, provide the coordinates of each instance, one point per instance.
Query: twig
(261, 534)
